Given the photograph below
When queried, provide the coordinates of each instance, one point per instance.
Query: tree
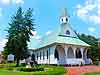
(19, 34)
(93, 42)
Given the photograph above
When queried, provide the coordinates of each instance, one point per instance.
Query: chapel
(61, 47)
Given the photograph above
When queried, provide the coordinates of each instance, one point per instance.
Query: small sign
(10, 57)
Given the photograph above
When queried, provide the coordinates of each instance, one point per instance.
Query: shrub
(96, 62)
(30, 69)
(10, 68)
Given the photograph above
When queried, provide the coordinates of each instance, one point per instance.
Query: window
(62, 19)
(33, 57)
(56, 55)
(37, 56)
(43, 55)
(67, 32)
(66, 19)
(47, 54)
(40, 55)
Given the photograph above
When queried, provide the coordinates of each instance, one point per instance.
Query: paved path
(81, 70)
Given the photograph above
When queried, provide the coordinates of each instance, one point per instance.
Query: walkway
(81, 70)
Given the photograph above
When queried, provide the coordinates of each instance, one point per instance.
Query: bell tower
(65, 28)
(64, 18)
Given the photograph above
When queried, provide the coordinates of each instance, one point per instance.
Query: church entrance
(60, 55)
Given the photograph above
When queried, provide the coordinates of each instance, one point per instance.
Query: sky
(84, 16)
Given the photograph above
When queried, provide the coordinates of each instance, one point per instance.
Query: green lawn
(3, 72)
(49, 70)
(95, 73)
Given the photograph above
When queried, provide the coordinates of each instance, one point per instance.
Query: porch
(71, 55)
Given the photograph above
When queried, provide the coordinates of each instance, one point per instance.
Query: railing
(73, 61)
(88, 61)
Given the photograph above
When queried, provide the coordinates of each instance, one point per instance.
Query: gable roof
(59, 35)
(54, 37)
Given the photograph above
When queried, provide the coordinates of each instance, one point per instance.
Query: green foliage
(19, 32)
(96, 62)
(95, 52)
(95, 73)
(91, 40)
(94, 48)
(52, 70)
(39, 70)
(31, 69)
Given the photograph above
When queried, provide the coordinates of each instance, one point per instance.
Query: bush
(96, 62)
(52, 70)
(30, 69)
(10, 68)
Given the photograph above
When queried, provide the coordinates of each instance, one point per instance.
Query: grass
(94, 73)
(10, 69)
(4, 72)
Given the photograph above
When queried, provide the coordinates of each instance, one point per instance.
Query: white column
(82, 50)
(52, 51)
(85, 53)
(74, 50)
(66, 49)
(49, 53)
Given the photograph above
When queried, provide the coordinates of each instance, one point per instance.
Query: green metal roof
(33, 44)
(54, 37)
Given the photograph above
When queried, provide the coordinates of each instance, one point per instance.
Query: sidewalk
(79, 70)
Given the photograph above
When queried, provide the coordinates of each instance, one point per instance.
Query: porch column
(82, 50)
(66, 49)
(53, 60)
(85, 53)
(74, 50)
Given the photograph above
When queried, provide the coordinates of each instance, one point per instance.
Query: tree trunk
(17, 62)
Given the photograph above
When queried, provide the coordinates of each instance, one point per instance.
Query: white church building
(61, 47)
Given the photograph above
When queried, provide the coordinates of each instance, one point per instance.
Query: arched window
(33, 57)
(37, 56)
(47, 54)
(68, 32)
(43, 55)
(56, 55)
(70, 53)
(62, 19)
(66, 19)
(78, 53)
(40, 55)
(88, 53)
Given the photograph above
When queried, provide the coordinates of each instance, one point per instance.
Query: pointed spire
(64, 12)
(64, 18)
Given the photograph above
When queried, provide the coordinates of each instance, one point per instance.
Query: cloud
(5, 2)
(91, 29)
(48, 32)
(8, 2)
(35, 35)
(2, 43)
(18, 1)
(89, 11)
(95, 19)
(0, 11)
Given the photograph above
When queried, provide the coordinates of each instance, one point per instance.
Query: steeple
(64, 12)
(64, 16)
(65, 28)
